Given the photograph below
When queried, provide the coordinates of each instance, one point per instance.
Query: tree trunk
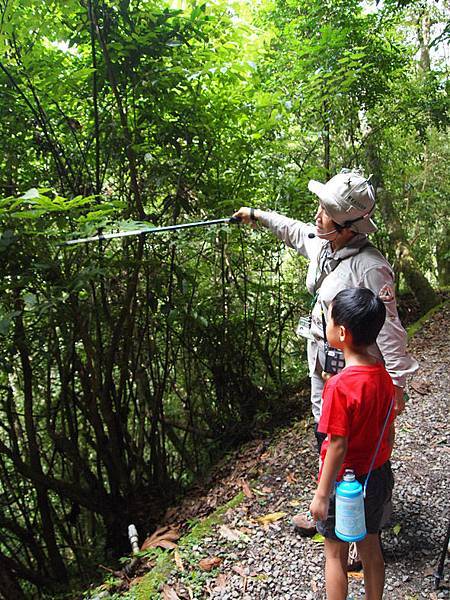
(424, 28)
(34, 455)
(9, 585)
(443, 257)
(326, 139)
(127, 135)
(405, 262)
(11, 571)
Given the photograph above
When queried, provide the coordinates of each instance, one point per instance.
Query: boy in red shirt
(356, 403)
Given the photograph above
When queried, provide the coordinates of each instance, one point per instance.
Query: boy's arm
(334, 458)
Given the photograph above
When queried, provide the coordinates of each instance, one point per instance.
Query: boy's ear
(345, 336)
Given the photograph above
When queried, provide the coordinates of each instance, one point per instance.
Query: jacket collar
(353, 247)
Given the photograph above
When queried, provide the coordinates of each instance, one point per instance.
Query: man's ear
(343, 333)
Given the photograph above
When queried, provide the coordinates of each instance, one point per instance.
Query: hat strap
(349, 223)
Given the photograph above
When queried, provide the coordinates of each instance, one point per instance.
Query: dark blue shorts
(379, 492)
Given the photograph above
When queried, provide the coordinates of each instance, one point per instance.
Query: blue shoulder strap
(378, 445)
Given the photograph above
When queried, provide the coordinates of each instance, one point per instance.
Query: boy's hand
(399, 400)
(319, 507)
(325, 376)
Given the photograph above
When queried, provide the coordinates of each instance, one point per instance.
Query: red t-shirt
(354, 405)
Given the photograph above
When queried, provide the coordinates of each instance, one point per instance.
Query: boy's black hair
(361, 312)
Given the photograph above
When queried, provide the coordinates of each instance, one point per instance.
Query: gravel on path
(270, 561)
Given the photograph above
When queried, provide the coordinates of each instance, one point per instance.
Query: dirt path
(258, 554)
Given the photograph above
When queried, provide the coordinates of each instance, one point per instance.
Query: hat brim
(318, 189)
(329, 203)
(364, 226)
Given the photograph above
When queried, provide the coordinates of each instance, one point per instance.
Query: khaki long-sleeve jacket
(359, 264)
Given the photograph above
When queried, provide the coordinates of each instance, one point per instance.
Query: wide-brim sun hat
(349, 199)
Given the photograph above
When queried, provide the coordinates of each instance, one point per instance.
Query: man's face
(324, 223)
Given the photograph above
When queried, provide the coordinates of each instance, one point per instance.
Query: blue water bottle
(350, 520)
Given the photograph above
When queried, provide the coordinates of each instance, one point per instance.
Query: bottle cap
(349, 475)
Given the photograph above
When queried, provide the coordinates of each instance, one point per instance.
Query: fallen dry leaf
(164, 537)
(220, 583)
(421, 387)
(291, 478)
(169, 593)
(246, 489)
(242, 571)
(232, 535)
(171, 513)
(246, 530)
(278, 504)
(207, 564)
(271, 518)
(178, 561)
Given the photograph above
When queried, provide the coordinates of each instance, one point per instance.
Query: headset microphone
(322, 235)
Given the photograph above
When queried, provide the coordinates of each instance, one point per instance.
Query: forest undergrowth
(231, 537)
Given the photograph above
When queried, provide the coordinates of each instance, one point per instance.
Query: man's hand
(399, 400)
(319, 507)
(244, 214)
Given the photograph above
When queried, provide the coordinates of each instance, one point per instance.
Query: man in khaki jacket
(341, 257)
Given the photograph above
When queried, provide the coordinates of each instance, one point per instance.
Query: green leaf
(5, 323)
(78, 201)
(28, 214)
(397, 528)
(31, 194)
(318, 538)
(197, 11)
(95, 215)
(85, 72)
(30, 300)
(7, 237)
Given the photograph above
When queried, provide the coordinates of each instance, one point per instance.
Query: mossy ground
(148, 587)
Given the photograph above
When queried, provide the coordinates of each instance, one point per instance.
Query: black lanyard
(319, 280)
(324, 325)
